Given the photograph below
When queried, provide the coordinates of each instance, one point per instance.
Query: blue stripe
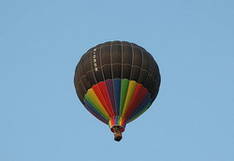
(93, 111)
(117, 88)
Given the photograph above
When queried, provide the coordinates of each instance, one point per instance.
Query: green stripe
(124, 89)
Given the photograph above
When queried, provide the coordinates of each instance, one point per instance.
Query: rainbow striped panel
(117, 101)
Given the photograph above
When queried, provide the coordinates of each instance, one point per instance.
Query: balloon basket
(117, 130)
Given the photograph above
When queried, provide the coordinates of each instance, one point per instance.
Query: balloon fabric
(117, 81)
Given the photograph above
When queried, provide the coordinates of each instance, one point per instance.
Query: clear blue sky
(41, 41)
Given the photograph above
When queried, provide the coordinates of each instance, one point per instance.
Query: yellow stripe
(94, 99)
(121, 121)
(131, 88)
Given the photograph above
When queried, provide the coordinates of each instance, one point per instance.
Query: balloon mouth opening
(117, 130)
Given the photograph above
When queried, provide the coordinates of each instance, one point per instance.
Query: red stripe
(104, 89)
(102, 94)
(138, 96)
(100, 97)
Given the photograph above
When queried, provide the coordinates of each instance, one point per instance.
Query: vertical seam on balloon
(101, 64)
(83, 88)
(121, 60)
(130, 77)
(121, 77)
(121, 80)
(85, 77)
(112, 79)
(111, 60)
(147, 69)
(153, 80)
(150, 74)
(141, 65)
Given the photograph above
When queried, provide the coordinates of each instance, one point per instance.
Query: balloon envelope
(117, 81)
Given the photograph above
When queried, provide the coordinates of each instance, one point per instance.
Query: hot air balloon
(117, 81)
